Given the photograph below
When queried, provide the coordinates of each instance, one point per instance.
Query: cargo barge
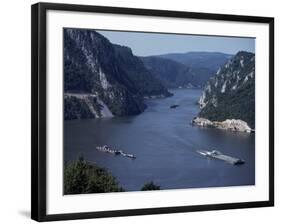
(218, 155)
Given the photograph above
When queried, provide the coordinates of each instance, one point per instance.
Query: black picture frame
(38, 108)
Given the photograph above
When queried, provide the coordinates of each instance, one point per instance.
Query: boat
(107, 149)
(174, 106)
(218, 155)
(117, 152)
(130, 156)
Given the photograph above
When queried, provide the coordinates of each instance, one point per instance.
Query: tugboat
(174, 106)
(218, 155)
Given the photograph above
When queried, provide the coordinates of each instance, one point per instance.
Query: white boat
(218, 155)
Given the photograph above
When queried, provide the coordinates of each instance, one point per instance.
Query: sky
(147, 44)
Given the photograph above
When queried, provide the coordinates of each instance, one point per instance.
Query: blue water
(165, 145)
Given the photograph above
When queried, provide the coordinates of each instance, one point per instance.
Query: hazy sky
(145, 44)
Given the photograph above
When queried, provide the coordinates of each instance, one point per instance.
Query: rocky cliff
(94, 66)
(145, 82)
(230, 94)
(228, 124)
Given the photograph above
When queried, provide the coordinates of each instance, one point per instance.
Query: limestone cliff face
(230, 94)
(228, 124)
(92, 66)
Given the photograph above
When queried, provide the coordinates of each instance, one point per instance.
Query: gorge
(159, 108)
(102, 79)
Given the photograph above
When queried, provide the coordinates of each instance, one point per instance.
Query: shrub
(150, 186)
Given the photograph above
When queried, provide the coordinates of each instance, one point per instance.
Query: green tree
(83, 177)
(150, 186)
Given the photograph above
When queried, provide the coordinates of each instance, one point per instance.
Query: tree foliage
(83, 177)
(75, 108)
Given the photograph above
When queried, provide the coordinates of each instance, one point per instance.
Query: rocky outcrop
(229, 124)
(230, 94)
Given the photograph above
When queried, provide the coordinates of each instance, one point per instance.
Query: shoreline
(235, 125)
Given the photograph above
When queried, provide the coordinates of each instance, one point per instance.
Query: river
(165, 144)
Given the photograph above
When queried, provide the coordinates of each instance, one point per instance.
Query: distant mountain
(102, 79)
(202, 65)
(210, 60)
(230, 94)
(171, 73)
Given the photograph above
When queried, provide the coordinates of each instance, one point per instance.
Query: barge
(107, 149)
(218, 155)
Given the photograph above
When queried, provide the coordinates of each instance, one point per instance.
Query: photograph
(139, 111)
(133, 112)
(147, 111)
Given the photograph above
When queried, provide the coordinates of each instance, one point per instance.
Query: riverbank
(228, 124)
